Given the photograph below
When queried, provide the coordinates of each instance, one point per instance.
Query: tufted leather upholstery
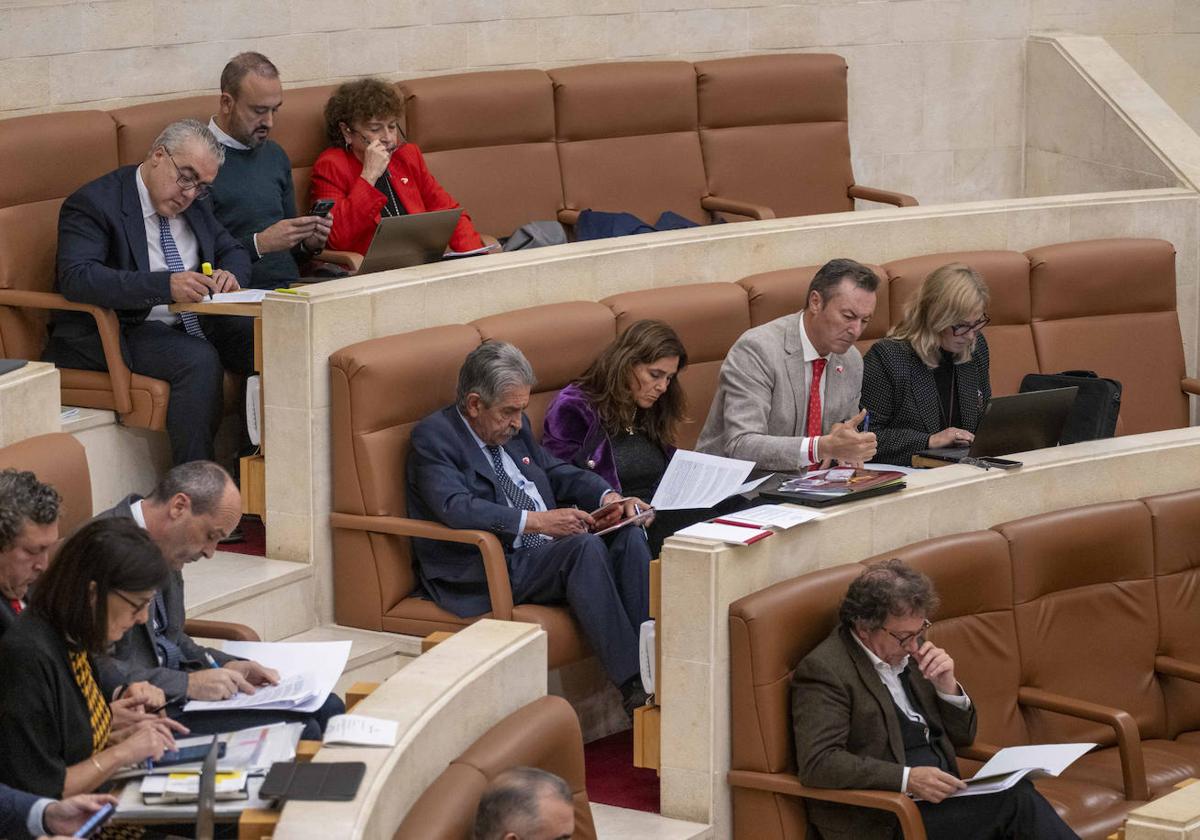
(1082, 603)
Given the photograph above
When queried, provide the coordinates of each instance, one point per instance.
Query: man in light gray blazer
(789, 389)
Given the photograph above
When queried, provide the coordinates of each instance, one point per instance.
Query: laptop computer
(412, 239)
(1016, 423)
(206, 803)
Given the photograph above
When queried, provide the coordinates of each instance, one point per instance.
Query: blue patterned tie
(519, 498)
(191, 323)
(169, 654)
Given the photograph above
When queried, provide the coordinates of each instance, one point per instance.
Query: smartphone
(321, 207)
(1001, 463)
(97, 819)
(189, 754)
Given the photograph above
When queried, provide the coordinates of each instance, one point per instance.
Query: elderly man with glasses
(877, 706)
(136, 240)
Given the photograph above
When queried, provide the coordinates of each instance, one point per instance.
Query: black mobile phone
(1001, 463)
(98, 819)
(321, 207)
(188, 755)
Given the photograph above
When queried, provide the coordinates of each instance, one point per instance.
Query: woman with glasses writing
(371, 171)
(926, 384)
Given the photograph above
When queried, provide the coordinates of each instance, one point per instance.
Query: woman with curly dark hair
(371, 170)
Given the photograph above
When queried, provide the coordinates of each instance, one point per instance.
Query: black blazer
(451, 481)
(103, 257)
(899, 391)
(44, 723)
(7, 616)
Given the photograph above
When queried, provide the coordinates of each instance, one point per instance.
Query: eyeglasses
(908, 637)
(137, 608)
(963, 329)
(187, 183)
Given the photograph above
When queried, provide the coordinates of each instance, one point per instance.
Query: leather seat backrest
(627, 138)
(489, 139)
(770, 631)
(975, 624)
(555, 362)
(544, 734)
(1093, 302)
(1084, 596)
(1009, 336)
(37, 178)
(139, 125)
(57, 459)
(1175, 519)
(773, 130)
(708, 318)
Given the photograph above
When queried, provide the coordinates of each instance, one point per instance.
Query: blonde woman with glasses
(926, 384)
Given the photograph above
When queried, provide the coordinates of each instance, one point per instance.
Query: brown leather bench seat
(1057, 624)
(380, 388)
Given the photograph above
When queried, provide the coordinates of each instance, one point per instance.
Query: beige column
(29, 402)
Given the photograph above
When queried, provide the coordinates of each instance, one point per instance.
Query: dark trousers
(1015, 814)
(605, 582)
(214, 723)
(193, 367)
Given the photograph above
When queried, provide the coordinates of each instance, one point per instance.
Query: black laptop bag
(1097, 404)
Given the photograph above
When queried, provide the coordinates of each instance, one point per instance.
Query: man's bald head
(525, 803)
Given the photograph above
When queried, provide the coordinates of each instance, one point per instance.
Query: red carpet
(613, 780)
(254, 538)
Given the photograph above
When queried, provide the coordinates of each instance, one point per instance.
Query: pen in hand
(207, 270)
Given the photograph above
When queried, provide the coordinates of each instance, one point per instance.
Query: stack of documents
(773, 516)
(308, 671)
(695, 480)
(185, 787)
(1011, 764)
(734, 534)
(361, 731)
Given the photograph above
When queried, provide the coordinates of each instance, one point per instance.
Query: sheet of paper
(892, 467)
(240, 296)
(775, 516)
(324, 661)
(360, 730)
(1050, 758)
(697, 480)
(633, 520)
(290, 693)
(736, 534)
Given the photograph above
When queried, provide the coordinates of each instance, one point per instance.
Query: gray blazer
(135, 659)
(759, 410)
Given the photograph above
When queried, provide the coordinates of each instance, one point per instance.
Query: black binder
(325, 781)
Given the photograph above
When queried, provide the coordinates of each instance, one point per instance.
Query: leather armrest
(568, 217)
(719, 204)
(1169, 666)
(904, 809)
(346, 259)
(228, 630)
(977, 751)
(1190, 386)
(106, 324)
(1129, 740)
(882, 196)
(494, 565)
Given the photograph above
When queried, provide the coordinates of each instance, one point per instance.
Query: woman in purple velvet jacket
(621, 418)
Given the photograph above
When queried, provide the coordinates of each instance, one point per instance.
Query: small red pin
(403, 180)
(525, 460)
(839, 369)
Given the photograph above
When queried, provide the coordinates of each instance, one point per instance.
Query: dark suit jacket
(103, 257)
(135, 659)
(899, 391)
(848, 735)
(15, 806)
(7, 617)
(451, 481)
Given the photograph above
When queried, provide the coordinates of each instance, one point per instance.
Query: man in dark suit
(475, 465)
(134, 240)
(28, 530)
(876, 706)
(188, 513)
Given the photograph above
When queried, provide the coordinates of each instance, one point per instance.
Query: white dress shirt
(185, 243)
(517, 477)
(890, 676)
(810, 353)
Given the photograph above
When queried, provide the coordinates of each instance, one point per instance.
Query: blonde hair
(949, 295)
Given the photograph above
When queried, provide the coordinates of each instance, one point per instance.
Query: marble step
(613, 823)
(275, 597)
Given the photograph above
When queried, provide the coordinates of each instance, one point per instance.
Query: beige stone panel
(289, 537)
(461, 11)
(1171, 65)
(1101, 17)
(711, 30)
(962, 81)
(926, 175)
(29, 402)
(135, 23)
(687, 747)
(881, 120)
(686, 794)
(691, 588)
(642, 34)
(1034, 228)
(335, 324)
(258, 19)
(437, 47)
(285, 330)
(982, 174)
(1062, 110)
(500, 42)
(782, 27)
(308, 16)
(402, 309)
(26, 83)
(363, 52)
(1124, 146)
(28, 32)
(956, 20)
(289, 444)
(576, 38)
(857, 23)
(389, 13)
(1186, 17)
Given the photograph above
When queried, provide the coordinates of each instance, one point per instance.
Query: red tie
(16, 605)
(812, 424)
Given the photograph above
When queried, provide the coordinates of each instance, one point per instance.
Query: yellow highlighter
(206, 270)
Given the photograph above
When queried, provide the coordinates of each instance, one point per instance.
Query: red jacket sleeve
(335, 175)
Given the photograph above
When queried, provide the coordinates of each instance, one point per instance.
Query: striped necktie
(191, 323)
(519, 498)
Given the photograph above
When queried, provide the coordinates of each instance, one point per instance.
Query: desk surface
(131, 809)
(244, 310)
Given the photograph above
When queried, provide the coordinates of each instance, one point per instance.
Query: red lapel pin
(525, 460)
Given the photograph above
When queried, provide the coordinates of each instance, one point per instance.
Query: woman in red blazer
(371, 170)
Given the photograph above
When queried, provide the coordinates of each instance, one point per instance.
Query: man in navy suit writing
(475, 465)
(135, 241)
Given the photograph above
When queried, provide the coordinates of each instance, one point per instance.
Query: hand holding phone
(98, 819)
(321, 207)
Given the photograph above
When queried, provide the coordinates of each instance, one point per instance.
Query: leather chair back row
(1078, 603)
(1042, 304)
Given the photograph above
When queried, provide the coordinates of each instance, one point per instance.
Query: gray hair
(175, 135)
(24, 499)
(491, 369)
(887, 588)
(511, 802)
(203, 482)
